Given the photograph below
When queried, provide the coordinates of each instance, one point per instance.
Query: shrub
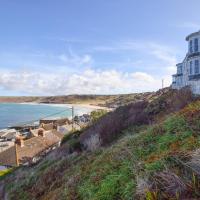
(110, 126)
(73, 134)
(175, 124)
(97, 114)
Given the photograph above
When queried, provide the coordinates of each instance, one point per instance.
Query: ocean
(12, 114)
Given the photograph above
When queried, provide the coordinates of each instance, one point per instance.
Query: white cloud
(87, 82)
(164, 54)
(159, 51)
(76, 75)
(74, 60)
(190, 25)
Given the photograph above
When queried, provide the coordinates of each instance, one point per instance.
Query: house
(188, 72)
(9, 134)
(27, 152)
(55, 121)
(5, 145)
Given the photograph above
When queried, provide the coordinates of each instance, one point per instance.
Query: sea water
(12, 114)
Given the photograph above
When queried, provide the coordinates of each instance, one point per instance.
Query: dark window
(196, 67)
(191, 46)
(190, 67)
(196, 45)
(180, 70)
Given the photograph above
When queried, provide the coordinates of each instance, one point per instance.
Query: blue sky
(93, 46)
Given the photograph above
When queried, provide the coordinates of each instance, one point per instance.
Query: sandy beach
(92, 107)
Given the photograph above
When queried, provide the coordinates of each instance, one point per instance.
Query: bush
(110, 126)
(73, 134)
(97, 114)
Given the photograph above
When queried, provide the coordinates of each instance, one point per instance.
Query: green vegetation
(97, 114)
(5, 172)
(159, 161)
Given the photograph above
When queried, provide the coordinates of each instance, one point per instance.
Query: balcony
(177, 75)
(190, 55)
(194, 77)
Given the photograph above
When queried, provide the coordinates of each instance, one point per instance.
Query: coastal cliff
(122, 155)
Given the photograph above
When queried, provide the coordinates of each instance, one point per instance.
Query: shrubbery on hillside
(110, 126)
(97, 114)
(160, 161)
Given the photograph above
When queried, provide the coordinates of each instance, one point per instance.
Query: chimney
(41, 133)
(19, 141)
(55, 126)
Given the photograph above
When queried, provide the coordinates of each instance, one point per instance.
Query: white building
(188, 72)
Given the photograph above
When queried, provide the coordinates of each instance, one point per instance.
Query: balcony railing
(194, 77)
(190, 55)
(178, 74)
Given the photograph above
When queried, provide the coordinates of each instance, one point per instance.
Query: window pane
(196, 66)
(191, 46)
(196, 47)
(190, 67)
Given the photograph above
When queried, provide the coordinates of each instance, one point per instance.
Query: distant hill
(98, 100)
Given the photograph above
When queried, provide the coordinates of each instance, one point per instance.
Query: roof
(8, 133)
(47, 127)
(36, 145)
(58, 121)
(58, 134)
(5, 145)
(192, 34)
(34, 132)
(179, 64)
(32, 147)
(8, 157)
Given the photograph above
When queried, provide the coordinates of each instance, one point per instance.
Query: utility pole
(72, 118)
(162, 83)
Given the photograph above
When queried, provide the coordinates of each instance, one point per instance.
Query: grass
(113, 172)
(5, 172)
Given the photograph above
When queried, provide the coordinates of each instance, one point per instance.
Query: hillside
(144, 150)
(98, 100)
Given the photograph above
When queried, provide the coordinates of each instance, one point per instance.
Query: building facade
(188, 72)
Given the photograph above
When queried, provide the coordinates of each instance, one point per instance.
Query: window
(181, 81)
(190, 67)
(196, 67)
(196, 46)
(179, 69)
(173, 79)
(191, 46)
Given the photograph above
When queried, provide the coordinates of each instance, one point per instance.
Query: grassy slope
(147, 162)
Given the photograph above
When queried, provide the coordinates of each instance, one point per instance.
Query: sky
(60, 47)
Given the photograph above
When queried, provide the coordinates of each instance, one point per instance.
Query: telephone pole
(162, 83)
(72, 118)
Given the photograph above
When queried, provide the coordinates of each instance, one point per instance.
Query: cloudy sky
(55, 47)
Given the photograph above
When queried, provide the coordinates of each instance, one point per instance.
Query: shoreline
(76, 106)
(95, 107)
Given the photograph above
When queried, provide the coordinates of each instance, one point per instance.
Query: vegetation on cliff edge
(149, 161)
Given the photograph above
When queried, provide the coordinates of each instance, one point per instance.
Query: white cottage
(188, 72)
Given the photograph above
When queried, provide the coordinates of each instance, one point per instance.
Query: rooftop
(31, 148)
(192, 34)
